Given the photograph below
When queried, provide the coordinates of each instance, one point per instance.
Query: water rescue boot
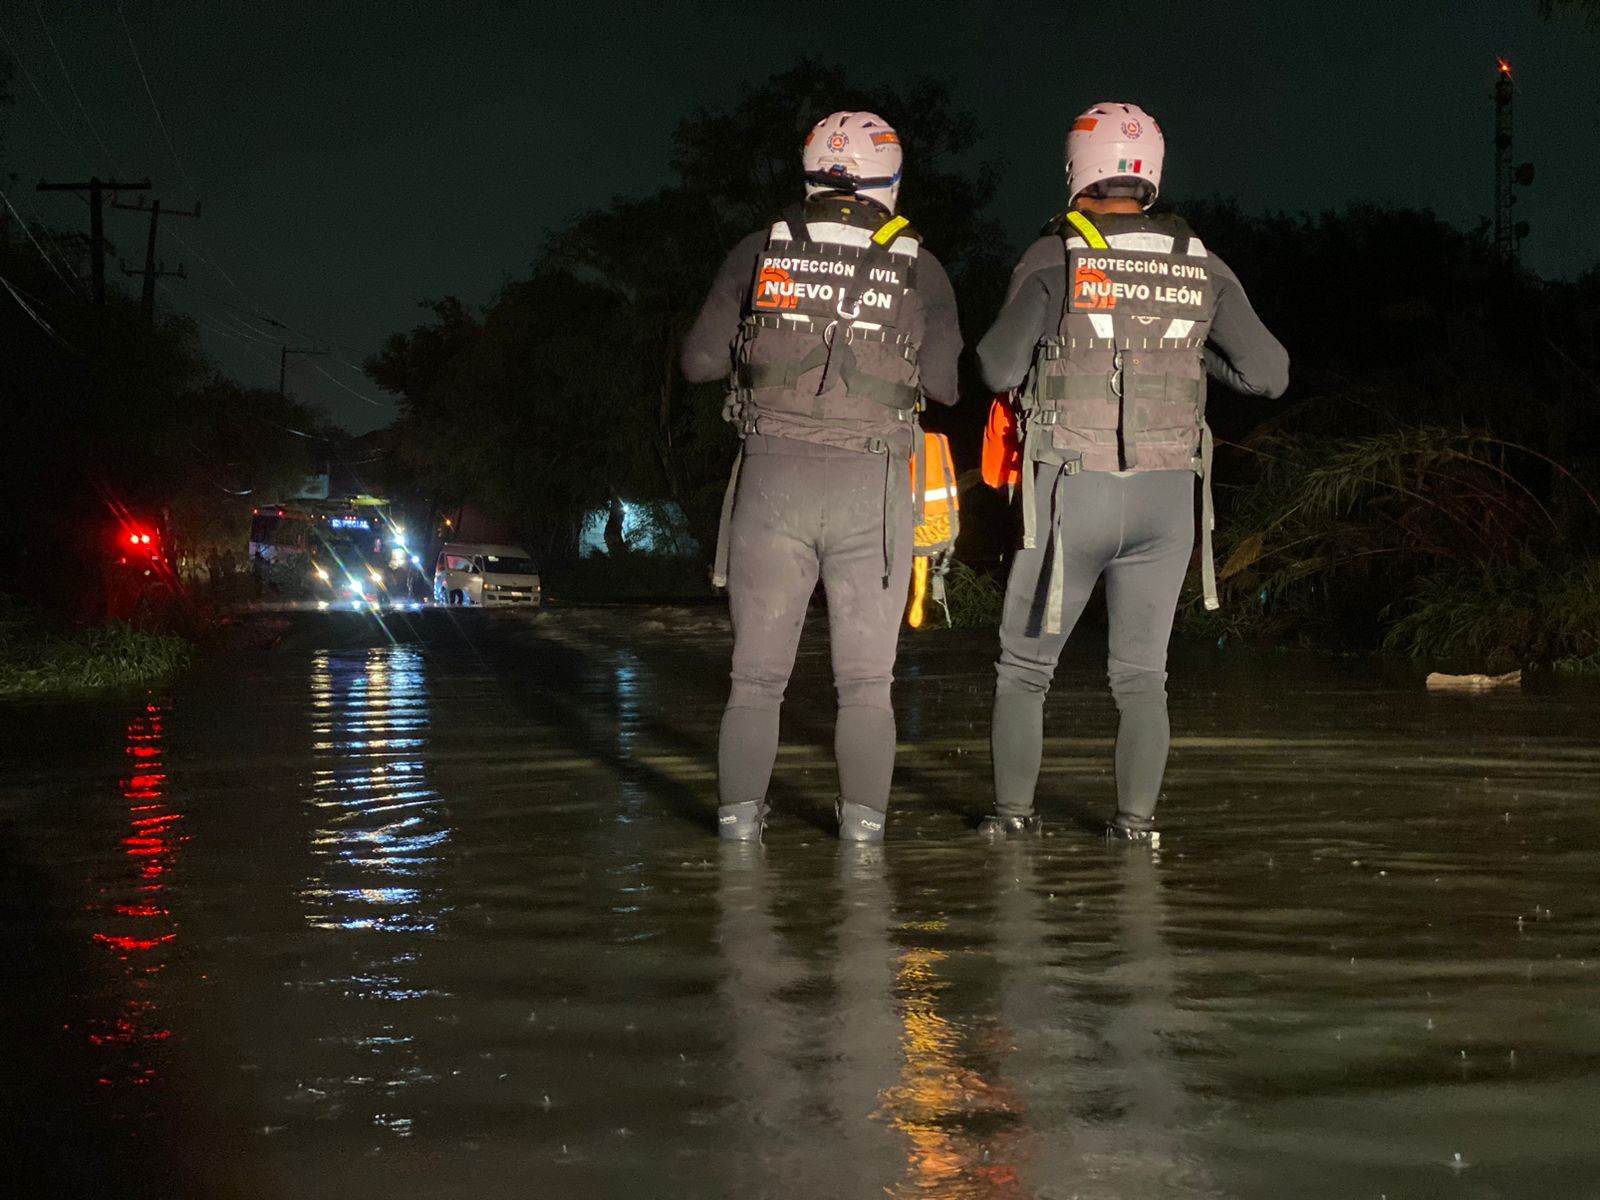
(1128, 827)
(858, 823)
(742, 822)
(997, 826)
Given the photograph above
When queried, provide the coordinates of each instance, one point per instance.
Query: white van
(484, 576)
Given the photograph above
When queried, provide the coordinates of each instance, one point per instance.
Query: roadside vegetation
(38, 660)
(1430, 486)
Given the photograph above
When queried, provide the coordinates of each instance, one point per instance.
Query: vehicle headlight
(321, 574)
(373, 572)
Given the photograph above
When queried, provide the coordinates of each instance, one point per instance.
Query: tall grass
(1503, 618)
(975, 599)
(36, 661)
(1448, 545)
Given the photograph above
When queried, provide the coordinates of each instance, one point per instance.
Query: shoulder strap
(795, 218)
(1086, 227)
(892, 228)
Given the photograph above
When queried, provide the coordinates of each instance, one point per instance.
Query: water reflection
(1089, 1016)
(961, 1118)
(811, 1039)
(379, 833)
(136, 925)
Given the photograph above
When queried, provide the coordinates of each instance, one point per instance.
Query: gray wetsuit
(807, 507)
(1134, 527)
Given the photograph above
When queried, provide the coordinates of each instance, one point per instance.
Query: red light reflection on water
(135, 920)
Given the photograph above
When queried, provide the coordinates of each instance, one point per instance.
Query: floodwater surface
(445, 916)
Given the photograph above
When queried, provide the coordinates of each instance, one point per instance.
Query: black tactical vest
(827, 351)
(1119, 385)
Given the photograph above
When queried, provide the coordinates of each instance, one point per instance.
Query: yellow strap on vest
(886, 231)
(1086, 227)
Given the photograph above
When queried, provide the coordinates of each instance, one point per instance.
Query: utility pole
(152, 272)
(96, 187)
(1507, 232)
(283, 364)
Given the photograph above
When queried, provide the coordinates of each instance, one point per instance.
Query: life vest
(938, 506)
(825, 352)
(1002, 445)
(1119, 383)
(827, 349)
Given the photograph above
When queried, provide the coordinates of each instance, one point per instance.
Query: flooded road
(445, 916)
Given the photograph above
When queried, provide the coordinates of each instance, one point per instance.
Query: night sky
(354, 158)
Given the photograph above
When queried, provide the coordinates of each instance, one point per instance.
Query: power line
(28, 75)
(49, 236)
(365, 399)
(171, 149)
(222, 324)
(43, 253)
(68, 77)
(238, 337)
(17, 295)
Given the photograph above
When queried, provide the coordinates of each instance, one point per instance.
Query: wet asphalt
(433, 907)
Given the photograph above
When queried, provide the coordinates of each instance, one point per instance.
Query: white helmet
(856, 152)
(1115, 144)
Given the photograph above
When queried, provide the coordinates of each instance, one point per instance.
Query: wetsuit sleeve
(1240, 352)
(708, 347)
(1006, 351)
(941, 338)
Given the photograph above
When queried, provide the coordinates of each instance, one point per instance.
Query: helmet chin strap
(854, 197)
(835, 181)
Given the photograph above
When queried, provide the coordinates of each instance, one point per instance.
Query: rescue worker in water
(838, 323)
(1111, 324)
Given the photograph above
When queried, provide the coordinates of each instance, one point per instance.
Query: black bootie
(858, 823)
(1009, 825)
(1129, 827)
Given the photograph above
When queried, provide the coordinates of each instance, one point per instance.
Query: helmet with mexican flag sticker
(853, 152)
(1115, 150)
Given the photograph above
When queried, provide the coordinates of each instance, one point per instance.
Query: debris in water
(1439, 681)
